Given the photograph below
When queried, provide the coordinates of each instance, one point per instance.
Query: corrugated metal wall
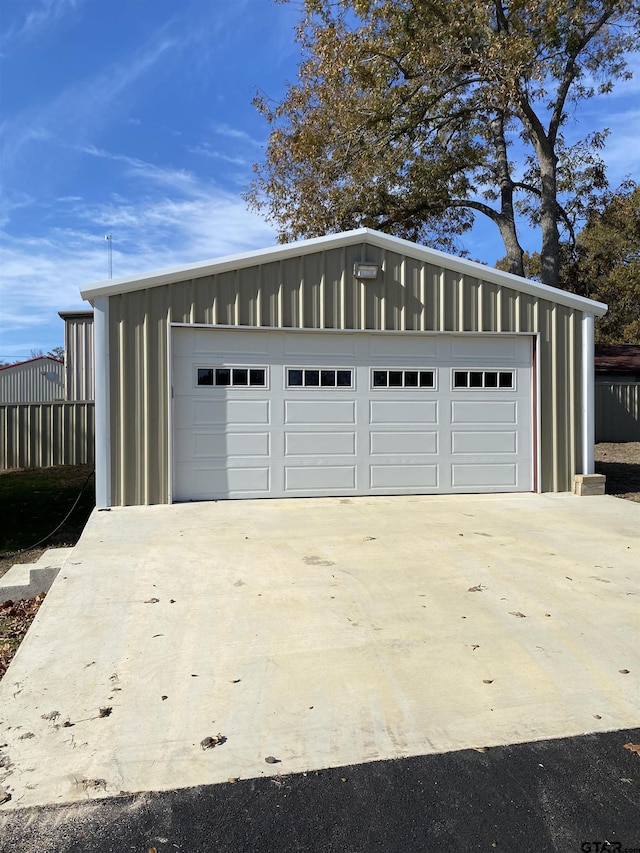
(78, 334)
(36, 435)
(317, 291)
(34, 381)
(618, 411)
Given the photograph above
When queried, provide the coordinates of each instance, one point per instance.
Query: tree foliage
(607, 266)
(407, 116)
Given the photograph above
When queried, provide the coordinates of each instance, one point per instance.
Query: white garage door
(288, 414)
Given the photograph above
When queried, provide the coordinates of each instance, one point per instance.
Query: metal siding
(28, 382)
(78, 345)
(317, 291)
(617, 411)
(38, 435)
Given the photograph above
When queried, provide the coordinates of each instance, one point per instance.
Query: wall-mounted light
(365, 271)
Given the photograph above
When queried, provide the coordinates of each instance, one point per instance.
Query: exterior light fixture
(365, 271)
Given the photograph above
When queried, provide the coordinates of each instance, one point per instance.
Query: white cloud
(39, 17)
(236, 134)
(81, 109)
(42, 275)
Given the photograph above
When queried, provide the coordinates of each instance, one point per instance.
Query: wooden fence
(37, 435)
(618, 411)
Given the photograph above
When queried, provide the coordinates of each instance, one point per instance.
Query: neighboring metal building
(38, 380)
(78, 348)
(351, 364)
(618, 392)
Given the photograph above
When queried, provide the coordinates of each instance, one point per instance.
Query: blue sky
(134, 117)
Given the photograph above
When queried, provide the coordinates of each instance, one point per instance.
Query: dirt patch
(15, 620)
(620, 463)
(33, 501)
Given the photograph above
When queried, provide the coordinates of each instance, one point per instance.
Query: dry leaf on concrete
(517, 613)
(633, 747)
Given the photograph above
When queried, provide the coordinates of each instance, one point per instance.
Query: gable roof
(216, 266)
(31, 360)
(618, 358)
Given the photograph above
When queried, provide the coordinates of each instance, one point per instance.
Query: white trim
(386, 242)
(588, 394)
(170, 472)
(536, 419)
(102, 402)
(299, 330)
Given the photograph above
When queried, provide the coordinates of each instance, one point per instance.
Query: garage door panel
(323, 411)
(314, 443)
(381, 346)
(471, 475)
(494, 348)
(218, 481)
(222, 412)
(403, 412)
(403, 476)
(299, 346)
(394, 438)
(489, 441)
(319, 478)
(224, 444)
(483, 412)
(388, 442)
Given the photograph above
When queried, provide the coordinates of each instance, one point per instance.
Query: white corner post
(103, 401)
(588, 394)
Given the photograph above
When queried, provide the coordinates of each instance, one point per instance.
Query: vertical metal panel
(317, 291)
(35, 381)
(78, 346)
(38, 435)
(617, 411)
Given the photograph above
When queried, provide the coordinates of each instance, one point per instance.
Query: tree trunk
(550, 249)
(515, 255)
(505, 220)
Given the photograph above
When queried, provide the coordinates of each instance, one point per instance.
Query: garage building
(353, 364)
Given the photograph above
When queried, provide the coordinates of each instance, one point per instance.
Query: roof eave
(346, 238)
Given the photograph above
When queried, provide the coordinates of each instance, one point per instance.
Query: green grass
(33, 501)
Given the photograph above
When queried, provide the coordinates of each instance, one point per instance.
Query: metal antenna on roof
(108, 237)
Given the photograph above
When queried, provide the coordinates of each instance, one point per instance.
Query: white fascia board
(346, 238)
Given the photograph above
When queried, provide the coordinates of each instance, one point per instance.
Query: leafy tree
(56, 352)
(603, 263)
(607, 266)
(407, 114)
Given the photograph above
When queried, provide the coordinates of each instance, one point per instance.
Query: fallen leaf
(152, 601)
(568, 578)
(633, 747)
(233, 779)
(164, 697)
(597, 716)
(478, 588)
(518, 614)
(474, 646)
(235, 680)
(481, 748)
(105, 712)
(5, 796)
(623, 671)
(271, 760)
(210, 742)
(487, 680)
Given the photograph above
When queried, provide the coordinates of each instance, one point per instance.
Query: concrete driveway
(321, 633)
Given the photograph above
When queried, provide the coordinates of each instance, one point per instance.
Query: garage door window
(489, 379)
(234, 377)
(301, 377)
(405, 378)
